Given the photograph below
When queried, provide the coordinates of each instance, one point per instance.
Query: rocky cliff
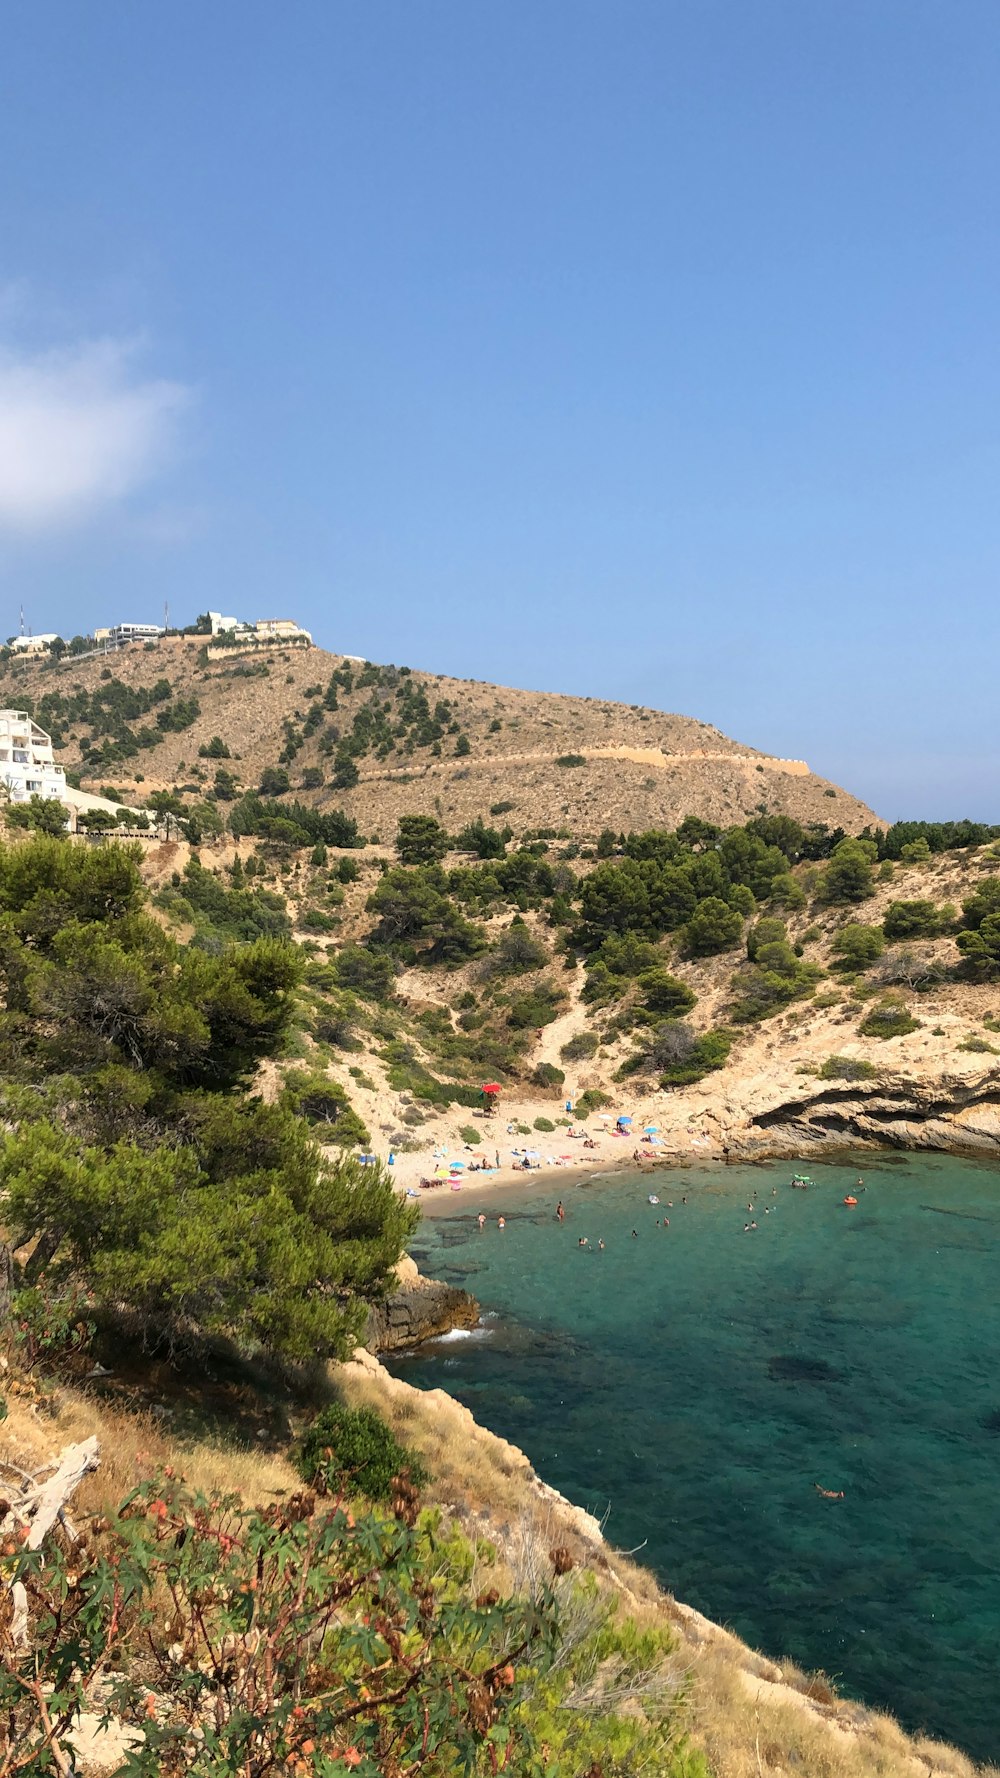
(418, 1309)
(952, 1113)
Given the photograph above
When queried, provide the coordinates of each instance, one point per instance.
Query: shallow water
(695, 1382)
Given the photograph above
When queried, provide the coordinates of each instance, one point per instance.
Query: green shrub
(581, 1047)
(890, 1018)
(592, 1100)
(548, 1075)
(981, 1045)
(845, 1068)
(663, 994)
(274, 781)
(848, 876)
(911, 919)
(516, 952)
(857, 945)
(470, 1134)
(787, 892)
(352, 1450)
(420, 840)
(536, 1009)
(707, 1054)
(714, 926)
(544, 1124)
(916, 852)
(571, 759)
(314, 920)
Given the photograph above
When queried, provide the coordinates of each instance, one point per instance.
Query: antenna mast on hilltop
(22, 620)
(166, 614)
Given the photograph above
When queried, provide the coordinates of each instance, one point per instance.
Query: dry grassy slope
(753, 1717)
(657, 767)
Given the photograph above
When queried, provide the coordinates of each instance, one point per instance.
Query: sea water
(694, 1382)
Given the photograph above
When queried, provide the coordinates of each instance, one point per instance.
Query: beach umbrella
(650, 1129)
(457, 1166)
(624, 1120)
(493, 1087)
(532, 1154)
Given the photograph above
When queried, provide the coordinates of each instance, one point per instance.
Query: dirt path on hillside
(560, 1031)
(644, 756)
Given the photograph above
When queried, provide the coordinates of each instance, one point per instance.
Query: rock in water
(420, 1309)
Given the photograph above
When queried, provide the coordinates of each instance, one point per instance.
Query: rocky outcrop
(418, 1309)
(957, 1115)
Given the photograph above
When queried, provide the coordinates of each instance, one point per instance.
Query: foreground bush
(353, 1451)
(295, 1641)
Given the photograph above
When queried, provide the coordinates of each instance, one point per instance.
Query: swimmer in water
(481, 1219)
(635, 1235)
(501, 1222)
(560, 1212)
(601, 1244)
(829, 1493)
(583, 1242)
(683, 1200)
(753, 1225)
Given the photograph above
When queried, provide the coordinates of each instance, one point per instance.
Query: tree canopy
(135, 1162)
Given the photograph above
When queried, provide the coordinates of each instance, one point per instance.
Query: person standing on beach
(498, 1160)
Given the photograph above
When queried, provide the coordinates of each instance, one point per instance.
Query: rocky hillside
(863, 1023)
(380, 742)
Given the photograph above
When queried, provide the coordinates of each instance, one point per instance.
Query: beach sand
(560, 1156)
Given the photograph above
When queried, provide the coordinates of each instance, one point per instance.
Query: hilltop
(380, 742)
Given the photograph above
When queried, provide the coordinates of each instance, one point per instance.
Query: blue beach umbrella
(650, 1129)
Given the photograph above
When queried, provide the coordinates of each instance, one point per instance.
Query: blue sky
(645, 348)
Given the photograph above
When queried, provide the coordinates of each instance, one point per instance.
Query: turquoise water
(696, 1381)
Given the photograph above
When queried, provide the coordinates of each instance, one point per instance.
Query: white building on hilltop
(119, 634)
(282, 629)
(33, 644)
(26, 764)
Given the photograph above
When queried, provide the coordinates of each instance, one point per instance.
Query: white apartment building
(136, 632)
(26, 764)
(33, 644)
(283, 628)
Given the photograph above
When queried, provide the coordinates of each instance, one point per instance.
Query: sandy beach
(453, 1164)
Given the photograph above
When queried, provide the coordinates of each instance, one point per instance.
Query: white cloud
(79, 431)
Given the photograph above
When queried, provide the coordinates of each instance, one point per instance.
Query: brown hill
(551, 761)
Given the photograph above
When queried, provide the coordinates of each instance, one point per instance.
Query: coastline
(769, 1634)
(745, 1700)
(753, 1115)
